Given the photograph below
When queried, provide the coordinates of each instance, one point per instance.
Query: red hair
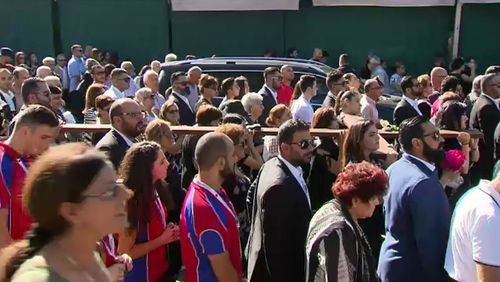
(360, 180)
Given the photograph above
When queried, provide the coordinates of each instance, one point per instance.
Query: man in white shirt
(119, 83)
(7, 96)
(150, 79)
(302, 108)
(473, 252)
(374, 89)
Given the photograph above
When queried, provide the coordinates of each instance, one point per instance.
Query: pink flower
(454, 160)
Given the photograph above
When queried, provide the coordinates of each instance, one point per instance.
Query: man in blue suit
(417, 214)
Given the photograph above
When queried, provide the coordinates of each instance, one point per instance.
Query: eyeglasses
(127, 79)
(435, 135)
(141, 114)
(108, 194)
(304, 144)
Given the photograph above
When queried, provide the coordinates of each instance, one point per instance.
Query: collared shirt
(63, 73)
(127, 140)
(493, 100)
(132, 88)
(159, 100)
(302, 109)
(76, 68)
(193, 96)
(114, 93)
(426, 163)
(9, 98)
(298, 174)
(185, 99)
(413, 103)
(369, 108)
(275, 94)
(474, 233)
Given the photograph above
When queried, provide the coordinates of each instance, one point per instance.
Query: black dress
(320, 179)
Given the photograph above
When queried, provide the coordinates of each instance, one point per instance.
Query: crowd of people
(142, 202)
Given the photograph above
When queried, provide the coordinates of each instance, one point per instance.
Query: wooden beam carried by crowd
(320, 132)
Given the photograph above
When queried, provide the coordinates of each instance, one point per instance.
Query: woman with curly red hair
(335, 242)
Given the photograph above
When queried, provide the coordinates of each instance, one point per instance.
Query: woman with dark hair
(361, 144)
(73, 194)
(244, 86)
(278, 115)
(453, 116)
(208, 91)
(143, 170)
(33, 63)
(304, 91)
(336, 247)
(231, 91)
(325, 163)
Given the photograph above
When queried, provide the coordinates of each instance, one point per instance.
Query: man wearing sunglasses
(269, 92)
(119, 83)
(76, 67)
(485, 116)
(180, 92)
(280, 209)
(128, 121)
(417, 213)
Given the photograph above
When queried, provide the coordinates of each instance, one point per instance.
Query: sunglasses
(435, 135)
(304, 144)
(108, 194)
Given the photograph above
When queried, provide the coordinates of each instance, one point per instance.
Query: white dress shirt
(114, 93)
(9, 97)
(302, 109)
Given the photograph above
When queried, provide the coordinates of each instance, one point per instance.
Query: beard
(227, 172)
(434, 155)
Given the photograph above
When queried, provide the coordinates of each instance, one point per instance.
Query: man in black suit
(269, 92)
(408, 106)
(180, 92)
(485, 116)
(128, 122)
(280, 209)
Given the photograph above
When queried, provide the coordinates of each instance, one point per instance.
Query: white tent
(385, 3)
(234, 5)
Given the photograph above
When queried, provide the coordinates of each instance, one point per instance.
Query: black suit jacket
(403, 111)
(268, 102)
(329, 101)
(485, 117)
(280, 216)
(114, 146)
(187, 117)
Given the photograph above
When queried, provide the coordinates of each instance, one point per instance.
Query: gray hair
(139, 94)
(170, 57)
(249, 100)
(43, 71)
(194, 69)
(48, 60)
(90, 63)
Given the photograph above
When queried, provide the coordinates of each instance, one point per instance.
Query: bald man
(209, 225)
(43, 71)
(193, 76)
(438, 74)
(150, 79)
(128, 121)
(286, 90)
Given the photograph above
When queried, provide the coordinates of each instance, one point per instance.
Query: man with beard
(269, 92)
(408, 106)
(180, 92)
(417, 213)
(128, 121)
(280, 208)
(209, 233)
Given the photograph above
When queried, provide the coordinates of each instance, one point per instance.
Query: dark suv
(253, 69)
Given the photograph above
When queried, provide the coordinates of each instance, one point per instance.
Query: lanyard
(207, 188)
(160, 209)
